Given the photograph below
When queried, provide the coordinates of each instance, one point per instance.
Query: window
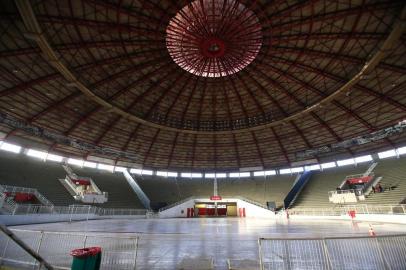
(239, 175)
(77, 162)
(387, 154)
(136, 171)
(296, 170)
(345, 162)
(314, 167)
(166, 174)
(264, 173)
(120, 169)
(105, 167)
(285, 171)
(147, 172)
(215, 175)
(55, 158)
(191, 175)
(402, 150)
(37, 154)
(141, 171)
(89, 164)
(10, 147)
(328, 165)
(363, 159)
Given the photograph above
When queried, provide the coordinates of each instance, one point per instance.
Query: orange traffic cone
(371, 231)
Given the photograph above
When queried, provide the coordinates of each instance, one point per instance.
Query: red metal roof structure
(204, 84)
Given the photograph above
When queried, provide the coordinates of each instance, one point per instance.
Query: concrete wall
(176, 211)
(251, 210)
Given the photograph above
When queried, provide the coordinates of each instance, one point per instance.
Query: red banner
(81, 182)
(359, 180)
(215, 198)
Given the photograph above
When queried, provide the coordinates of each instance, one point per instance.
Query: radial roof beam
(33, 27)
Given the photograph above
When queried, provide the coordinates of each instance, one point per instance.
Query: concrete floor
(164, 243)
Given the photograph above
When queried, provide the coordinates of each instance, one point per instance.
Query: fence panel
(293, 254)
(11, 252)
(355, 253)
(346, 253)
(118, 253)
(394, 250)
(55, 247)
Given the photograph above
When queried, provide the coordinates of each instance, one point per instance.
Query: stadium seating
(315, 193)
(170, 190)
(119, 191)
(27, 172)
(259, 189)
(393, 172)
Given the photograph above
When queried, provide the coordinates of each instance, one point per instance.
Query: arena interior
(204, 134)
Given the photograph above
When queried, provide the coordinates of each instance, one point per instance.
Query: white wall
(251, 210)
(176, 211)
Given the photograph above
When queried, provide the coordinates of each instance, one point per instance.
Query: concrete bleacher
(27, 172)
(259, 189)
(19, 170)
(170, 190)
(315, 193)
(393, 172)
(120, 193)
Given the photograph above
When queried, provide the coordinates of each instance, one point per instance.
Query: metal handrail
(26, 248)
(177, 203)
(38, 195)
(394, 209)
(198, 197)
(25, 209)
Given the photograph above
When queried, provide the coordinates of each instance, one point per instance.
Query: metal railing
(27, 209)
(382, 252)
(197, 197)
(38, 195)
(120, 212)
(117, 252)
(9, 205)
(251, 202)
(23, 247)
(395, 209)
(177, 203)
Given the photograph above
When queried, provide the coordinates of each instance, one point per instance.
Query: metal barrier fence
(399, 209)
(38, 195)
(26, 209)
(118, 253)
(382, 252)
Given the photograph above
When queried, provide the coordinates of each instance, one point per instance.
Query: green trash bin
(86, 258)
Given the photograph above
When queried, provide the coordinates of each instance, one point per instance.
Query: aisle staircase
(315, 193)
(393, 173)
(7, 203)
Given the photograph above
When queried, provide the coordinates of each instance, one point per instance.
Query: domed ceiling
(205, 84)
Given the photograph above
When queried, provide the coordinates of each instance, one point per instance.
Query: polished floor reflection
(166, 243)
